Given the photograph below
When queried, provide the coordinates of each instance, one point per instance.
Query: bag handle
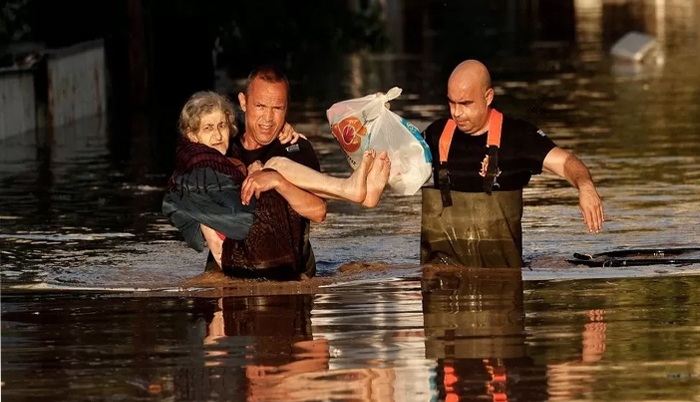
(376, 106)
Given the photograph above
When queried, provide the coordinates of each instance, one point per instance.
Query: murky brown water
(79, 220)
(448, 336)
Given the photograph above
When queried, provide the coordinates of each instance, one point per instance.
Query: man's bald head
(471, 72)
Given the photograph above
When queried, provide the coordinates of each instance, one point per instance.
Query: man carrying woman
(255, 221)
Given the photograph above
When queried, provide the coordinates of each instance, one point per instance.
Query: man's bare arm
(305, 203)
(566, 165)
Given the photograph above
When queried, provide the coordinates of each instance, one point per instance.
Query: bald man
(481, 163)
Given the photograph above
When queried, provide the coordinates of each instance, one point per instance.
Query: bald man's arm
(566, 165)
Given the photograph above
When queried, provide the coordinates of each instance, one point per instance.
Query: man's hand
(259, 182)
(591, 208)
(289, 135)
(239, 165)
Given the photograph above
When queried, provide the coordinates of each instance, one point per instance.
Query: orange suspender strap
(494, 137)
(446, 139)
(495, 127)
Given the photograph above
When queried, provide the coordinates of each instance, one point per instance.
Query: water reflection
(575, 379)
(475, 330)
(66, 193)
(616, 340)
(282, 346)
(282, 360)
(448, 336)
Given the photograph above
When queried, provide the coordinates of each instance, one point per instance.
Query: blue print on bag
(416, 133)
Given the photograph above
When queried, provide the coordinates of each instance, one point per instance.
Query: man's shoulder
(518, 126)
(301, 152)
(526, 137)
(302, 146)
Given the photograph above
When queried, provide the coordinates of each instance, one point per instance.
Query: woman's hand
(289, 135)
(255, 166)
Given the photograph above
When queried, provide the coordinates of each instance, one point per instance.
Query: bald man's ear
(489, 96)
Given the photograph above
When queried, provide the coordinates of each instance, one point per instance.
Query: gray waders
(478, 230)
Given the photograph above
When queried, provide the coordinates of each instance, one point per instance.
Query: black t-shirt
(302, 152)
(522, 151)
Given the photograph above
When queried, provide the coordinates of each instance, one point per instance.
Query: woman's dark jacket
(263, 239)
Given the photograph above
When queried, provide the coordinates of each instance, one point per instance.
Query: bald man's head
(471, 72)
(470, 95)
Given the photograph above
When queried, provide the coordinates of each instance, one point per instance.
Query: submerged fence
(66, 85)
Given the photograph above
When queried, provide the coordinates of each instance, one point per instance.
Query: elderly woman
(258, 238)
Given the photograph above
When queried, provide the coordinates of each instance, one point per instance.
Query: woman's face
(213, 131)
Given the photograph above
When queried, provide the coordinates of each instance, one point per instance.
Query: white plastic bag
(364, 123)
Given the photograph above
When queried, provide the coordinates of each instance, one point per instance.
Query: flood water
(94, 306)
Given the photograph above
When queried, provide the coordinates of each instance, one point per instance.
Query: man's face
(265, 108)
(469, 105)
(213, 131)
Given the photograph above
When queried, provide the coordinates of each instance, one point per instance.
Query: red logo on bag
(348, 132)
(484, 166)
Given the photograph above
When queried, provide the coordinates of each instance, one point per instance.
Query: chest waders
(478, 230)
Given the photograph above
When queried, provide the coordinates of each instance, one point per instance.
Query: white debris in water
(164, 228)
(49, 286)
(634, 46)
(141, 187)
(27, 238)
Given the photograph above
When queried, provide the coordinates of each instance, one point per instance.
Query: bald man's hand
(591, 208)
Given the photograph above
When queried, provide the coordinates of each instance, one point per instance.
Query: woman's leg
(376, 179)
(364, 186)
(214, 242)
(353, 188)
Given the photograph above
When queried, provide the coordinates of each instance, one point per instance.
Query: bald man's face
(469, 104)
